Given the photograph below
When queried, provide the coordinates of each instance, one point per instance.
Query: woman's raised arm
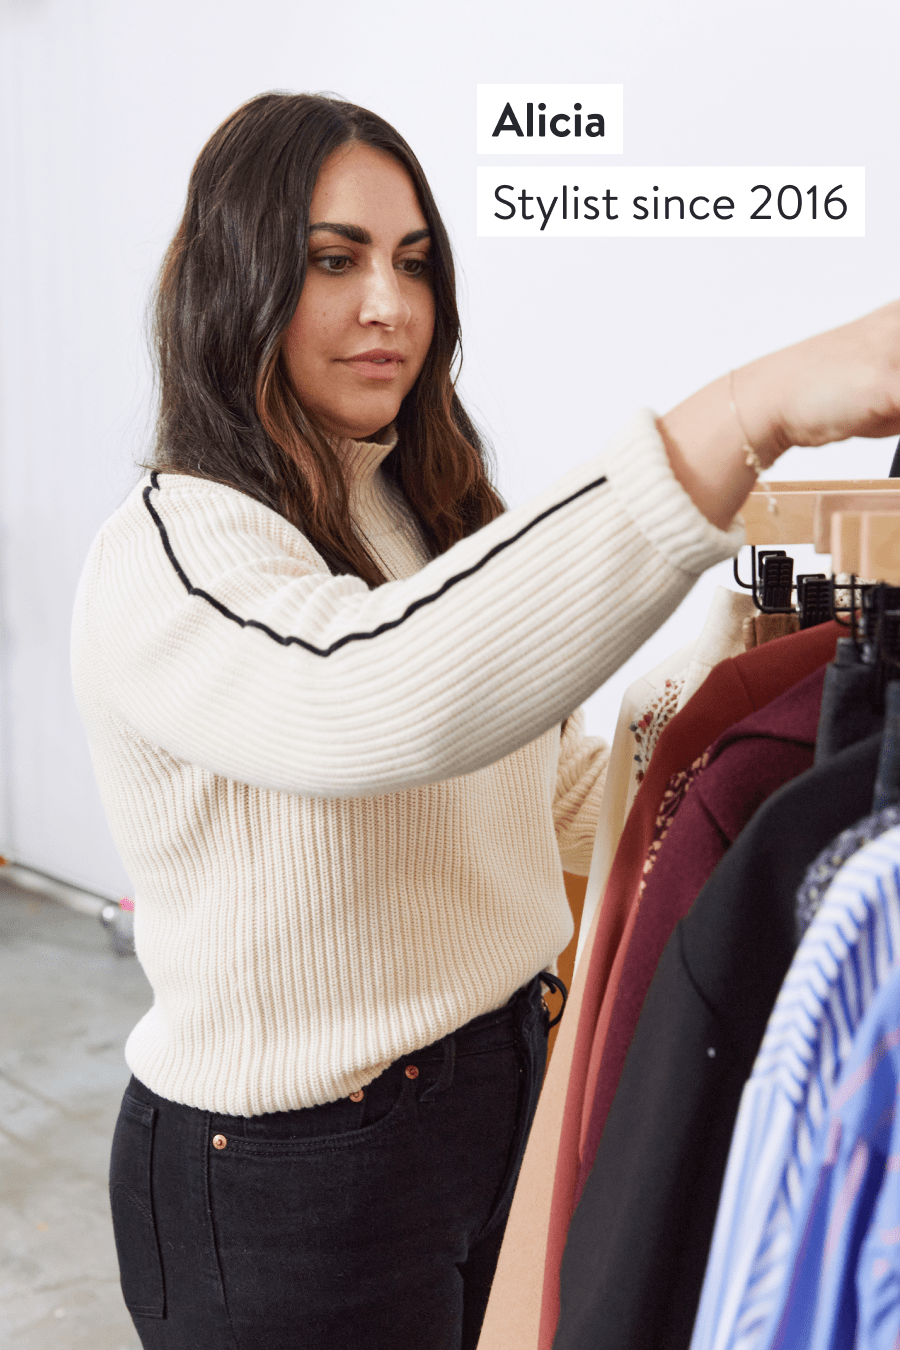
(207, 626)
(842, 383)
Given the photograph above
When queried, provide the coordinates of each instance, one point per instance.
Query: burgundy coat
(745, 766)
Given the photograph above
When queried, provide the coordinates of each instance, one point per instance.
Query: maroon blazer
(746, 765)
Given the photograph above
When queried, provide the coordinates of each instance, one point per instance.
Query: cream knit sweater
(343, 810)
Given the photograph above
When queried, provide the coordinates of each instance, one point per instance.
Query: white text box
(515, 201)
(549, 119)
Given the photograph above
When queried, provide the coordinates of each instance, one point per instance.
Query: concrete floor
(67, 1004)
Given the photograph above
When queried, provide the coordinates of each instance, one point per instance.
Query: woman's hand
(842, 383)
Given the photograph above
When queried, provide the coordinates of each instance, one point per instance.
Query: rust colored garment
(524, 1303)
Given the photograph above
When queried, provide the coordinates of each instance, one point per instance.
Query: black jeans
(373, 1223)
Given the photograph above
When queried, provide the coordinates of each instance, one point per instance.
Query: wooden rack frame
(857, 521)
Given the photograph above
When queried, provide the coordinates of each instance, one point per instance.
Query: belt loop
(555, 983)
(445, 1077)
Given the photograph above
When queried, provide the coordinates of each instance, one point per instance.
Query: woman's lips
(376, 365)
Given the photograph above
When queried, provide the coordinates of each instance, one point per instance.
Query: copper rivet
(356, 1096)
(412, 1071)
(219, 1141)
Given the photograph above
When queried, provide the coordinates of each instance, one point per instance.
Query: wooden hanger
(867, 544)
(803, 511)
(856, 521)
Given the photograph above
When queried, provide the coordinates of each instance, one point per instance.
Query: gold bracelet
(751, 458)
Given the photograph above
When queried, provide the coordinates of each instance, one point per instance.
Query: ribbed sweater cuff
(637, 466)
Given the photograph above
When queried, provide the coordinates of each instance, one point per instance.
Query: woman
(323, 676)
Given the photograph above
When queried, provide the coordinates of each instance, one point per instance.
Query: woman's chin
(363, 426)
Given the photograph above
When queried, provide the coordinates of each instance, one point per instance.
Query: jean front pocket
(131, 1200)
(294, 1217)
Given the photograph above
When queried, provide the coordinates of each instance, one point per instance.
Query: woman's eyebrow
(352, 232)
(357, 235)
(414, 236)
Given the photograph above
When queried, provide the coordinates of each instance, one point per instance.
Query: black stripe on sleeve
(291, 641)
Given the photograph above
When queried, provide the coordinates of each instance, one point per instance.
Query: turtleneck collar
(361, 461)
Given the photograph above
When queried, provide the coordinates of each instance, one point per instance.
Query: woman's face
(362, 329)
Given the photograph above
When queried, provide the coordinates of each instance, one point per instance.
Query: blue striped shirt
(850, 948)
(842, 1285)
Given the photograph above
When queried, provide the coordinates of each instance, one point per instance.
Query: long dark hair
(228, 287)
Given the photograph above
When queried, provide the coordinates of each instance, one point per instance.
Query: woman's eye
(415, 267)
(334, 263)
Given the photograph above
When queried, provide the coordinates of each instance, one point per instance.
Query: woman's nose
(383, 302)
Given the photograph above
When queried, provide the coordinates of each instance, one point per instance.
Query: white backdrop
(105, 104)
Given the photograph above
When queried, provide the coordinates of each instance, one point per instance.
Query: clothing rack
(630, 1092)
(598, 1120)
